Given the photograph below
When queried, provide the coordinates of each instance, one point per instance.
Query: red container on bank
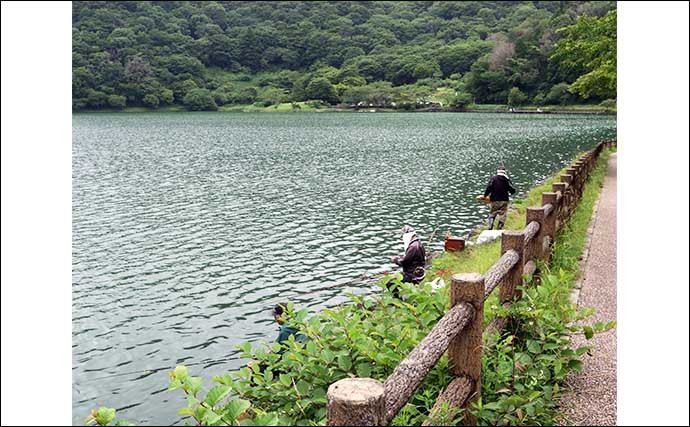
(454, 244)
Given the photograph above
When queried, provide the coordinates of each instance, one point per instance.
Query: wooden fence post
(465, 350)
(562, 203)
(535, 247)
(568, 191)
(574, 181)
(512, 240)
(549, 221)
(581, 177)
(356, 402)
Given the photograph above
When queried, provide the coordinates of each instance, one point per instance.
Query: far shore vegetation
(314, 56)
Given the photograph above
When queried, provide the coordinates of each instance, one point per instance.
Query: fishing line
(154, 370)
(363, 278)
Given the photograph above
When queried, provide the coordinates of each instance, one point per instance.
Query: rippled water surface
(187, 227)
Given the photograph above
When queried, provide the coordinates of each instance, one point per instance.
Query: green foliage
(140, 50)
(200, 100)
(516, 97)
(522, 371)
(608, 104)
(151, 101)
(103, 417)
(461, 100)
(117, 101)
(321, 88)
(367, 337)
(590, 46)
(217, 407)
(558, 94)
(538, 99)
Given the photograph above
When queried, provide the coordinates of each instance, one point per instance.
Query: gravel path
(591, 397)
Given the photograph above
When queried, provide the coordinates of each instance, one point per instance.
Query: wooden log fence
(366, 401)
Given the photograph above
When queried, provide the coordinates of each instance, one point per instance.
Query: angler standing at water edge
(498, 189)
(414, 259)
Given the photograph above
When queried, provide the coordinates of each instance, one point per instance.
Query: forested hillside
(207, 54)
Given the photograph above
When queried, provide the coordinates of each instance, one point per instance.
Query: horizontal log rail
(410, 373)
(365, 401)
(499, 270)
(531, 230)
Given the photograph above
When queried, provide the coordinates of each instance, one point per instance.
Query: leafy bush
(538, 99)
(104, 416)
(117, 101)
(461, 100)
(516, 97)
(608, 103)
(370, 336)
(245, 96)
(216, 408)
(559, 94)
(200, 100)
(367, 338)
(151, 101)
(521, 374)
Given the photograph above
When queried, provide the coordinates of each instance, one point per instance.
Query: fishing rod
(362, 278)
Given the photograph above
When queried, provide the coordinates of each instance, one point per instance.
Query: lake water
(188, 227)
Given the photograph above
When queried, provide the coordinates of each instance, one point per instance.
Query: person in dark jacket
(497, 191)
(280, 314)
(414, 259)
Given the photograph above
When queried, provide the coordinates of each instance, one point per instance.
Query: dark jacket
(413, 262)
(499, 187)
(286, 331)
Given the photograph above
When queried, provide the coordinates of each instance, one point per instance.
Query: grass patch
(583, 108)
(279, 108)
(568, 243)
(479, 258)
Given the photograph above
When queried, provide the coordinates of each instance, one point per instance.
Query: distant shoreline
(574, 109)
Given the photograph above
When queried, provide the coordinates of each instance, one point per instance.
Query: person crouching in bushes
(280, 315)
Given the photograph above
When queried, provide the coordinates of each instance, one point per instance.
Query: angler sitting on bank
(414, 259)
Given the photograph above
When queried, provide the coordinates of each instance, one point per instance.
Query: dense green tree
(459, 58)
(461, 100)
(558, 94)
(200, 100)
(590, 44)
(271, 96)
(117, 101)
(516, 97)
(321, 88)
(151, 101)
(246, 95)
